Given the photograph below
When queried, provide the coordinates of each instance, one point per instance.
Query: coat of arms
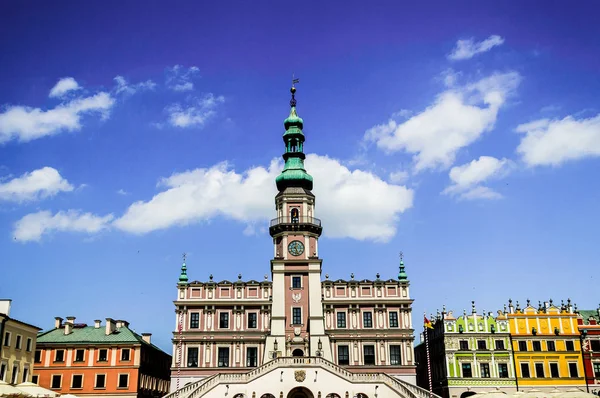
(296, 297)
(300, 375)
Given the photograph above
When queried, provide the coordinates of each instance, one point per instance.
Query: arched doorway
(297, 353)
(300, 392)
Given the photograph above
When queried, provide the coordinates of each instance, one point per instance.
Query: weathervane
(184, 255)
(293, 90)
(401, 256)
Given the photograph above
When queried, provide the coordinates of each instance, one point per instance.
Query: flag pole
(428, 361)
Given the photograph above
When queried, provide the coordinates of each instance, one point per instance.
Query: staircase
(200, 388)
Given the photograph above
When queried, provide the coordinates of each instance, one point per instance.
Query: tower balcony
(292, 224)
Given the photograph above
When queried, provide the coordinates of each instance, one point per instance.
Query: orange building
(108, 361)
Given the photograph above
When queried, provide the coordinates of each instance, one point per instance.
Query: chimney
(68, 327)
(124, 323)
(119, 323)
(147, 337)
(110, 326)
(97, 323)
(58, 322)
(5, 306)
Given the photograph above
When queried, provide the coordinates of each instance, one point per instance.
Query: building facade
(546, 345)
(17, 347)
(589, 328)
(469, 354)
(294, 334)
(108, 360)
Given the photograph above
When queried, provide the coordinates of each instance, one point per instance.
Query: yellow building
(17, 347)
(546, 346)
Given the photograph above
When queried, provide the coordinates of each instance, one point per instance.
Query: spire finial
(402, 274)
(183, 278)
(293, 90)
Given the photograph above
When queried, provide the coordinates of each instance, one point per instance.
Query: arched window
(240, 395)
(297, 353)
(361, 395)
(295, 215)
(332, 395)
(267, 396)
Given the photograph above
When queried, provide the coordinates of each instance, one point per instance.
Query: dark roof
(92, 335)
(586, 314)
(17, 321)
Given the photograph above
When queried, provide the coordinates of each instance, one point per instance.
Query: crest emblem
(300, 375)
(296, 297)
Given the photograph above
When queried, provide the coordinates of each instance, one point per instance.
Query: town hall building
(294, 334)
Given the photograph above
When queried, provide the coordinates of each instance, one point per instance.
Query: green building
(468, 354)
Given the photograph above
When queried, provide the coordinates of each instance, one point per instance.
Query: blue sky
(466, 136)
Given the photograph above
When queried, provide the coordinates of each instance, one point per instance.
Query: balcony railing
(295, 220)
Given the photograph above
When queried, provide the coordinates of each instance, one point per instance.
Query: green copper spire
(402, 274)
(183, 278)
(294, 174)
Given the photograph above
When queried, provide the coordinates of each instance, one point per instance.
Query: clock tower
(297, 321)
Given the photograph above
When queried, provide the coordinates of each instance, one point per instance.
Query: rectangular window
(500, 344)
(522, 346)
(369, 353)
(463, 345)
(296, 282)
(503, 370)
(367, 319)
(539, 370)
(525, 370)
(551, 346)
(79, 355)
(194, 320)
(18, 342)
(341, 320)
(394, 355)
(296, 316)
(102, 355)
(570, 345)
(56, 380)
(554, 370)
(125, 354)
(7, 339)
(77, 381)
(192, 357)
(485, 370)
(223, 356)
(28, 345)
(15, 374)
(537, 345)
(252, 320)
(59, 356)
(343, 355)
(224, 320)
(38, 356)
(25, 374)
(466, 370)
(100, 381)
(34, 379)
(595, 345)
(597, 369)
(393, 319)
(251, 357)
(573, 369)
(123, 381)
(481, 345)
(2, 371)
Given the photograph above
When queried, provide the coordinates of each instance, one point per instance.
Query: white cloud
(398, 177)
(26, 123)
(38, 184)
(123, 87)
(466, 49)
(457, 118)
(180, 79)
(33, 226)
(196, 114)
(467, 179)
(553, 142)
(202, 194)
(122, 192)
(63, 86)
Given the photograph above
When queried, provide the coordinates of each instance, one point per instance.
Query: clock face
(296, 248)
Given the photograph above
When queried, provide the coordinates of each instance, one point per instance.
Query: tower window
(194, 320)
(224, 320)
(192, 357)
(223, 356)
(393, 319)
(252, 320)
(341, 320)
(394, 355)
(367, 319)
(369, 353)
(251, 356)
(295, 215)
(343, 355)
(296, 282)
(296, 316)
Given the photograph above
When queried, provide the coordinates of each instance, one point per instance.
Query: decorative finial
(402, 274)
(377, 275)
(266, 277)
(183, 278)
(240, 277)
(210, 277)
(473, 310)
(352, 276)
(326, 276)
(528, 302)
(293, 90)
(444, 308)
